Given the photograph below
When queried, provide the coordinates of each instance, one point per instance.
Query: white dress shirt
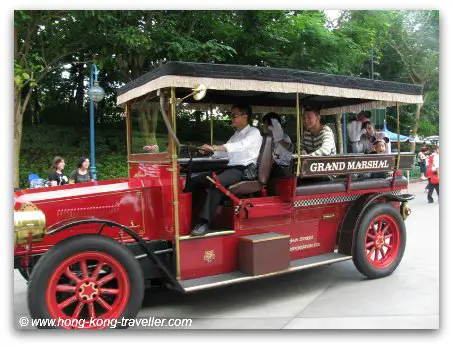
(242, 148)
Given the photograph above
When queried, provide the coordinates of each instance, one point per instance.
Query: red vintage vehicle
(89, 250)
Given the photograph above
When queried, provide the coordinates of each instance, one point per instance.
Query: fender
(351, 221)
(61, 226)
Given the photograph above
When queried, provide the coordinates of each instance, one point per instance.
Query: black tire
(367, 266)
(25, 272)
(49, 262)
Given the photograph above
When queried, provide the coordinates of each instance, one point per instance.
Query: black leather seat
(264, 163)
(339, 185)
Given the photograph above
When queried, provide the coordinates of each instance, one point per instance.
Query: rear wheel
(380, 241)
(86, 282)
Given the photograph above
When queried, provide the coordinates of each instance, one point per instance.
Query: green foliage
(43, 142)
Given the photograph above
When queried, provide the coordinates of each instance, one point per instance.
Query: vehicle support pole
(398, 130)
(211, 124)
(127, 113)
(174, 163)
(345, 142)
(298, 135)
(339, 133)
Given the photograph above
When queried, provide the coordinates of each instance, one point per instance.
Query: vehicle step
(237, 276)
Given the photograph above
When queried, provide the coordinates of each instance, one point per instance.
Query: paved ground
(332, 297)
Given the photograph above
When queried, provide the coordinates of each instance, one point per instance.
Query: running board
(237, 276)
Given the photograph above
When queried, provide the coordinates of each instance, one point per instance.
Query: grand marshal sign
(317, 166)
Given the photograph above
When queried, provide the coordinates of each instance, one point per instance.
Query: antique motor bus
(89, 250)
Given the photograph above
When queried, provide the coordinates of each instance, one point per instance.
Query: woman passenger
(82, 174)
(56, 176)
(366, 141)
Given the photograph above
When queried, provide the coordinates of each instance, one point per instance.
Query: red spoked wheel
(380, 241)
(86, 282)
(88, 286)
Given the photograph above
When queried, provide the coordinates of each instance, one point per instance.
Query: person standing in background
(421, 159)
(433, 174)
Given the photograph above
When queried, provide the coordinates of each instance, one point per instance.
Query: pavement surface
(336, 296)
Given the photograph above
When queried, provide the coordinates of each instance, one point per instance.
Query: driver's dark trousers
(227, 177)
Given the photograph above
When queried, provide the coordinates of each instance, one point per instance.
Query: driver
(242, 149)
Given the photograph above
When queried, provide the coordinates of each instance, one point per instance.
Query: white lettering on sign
(302, 247)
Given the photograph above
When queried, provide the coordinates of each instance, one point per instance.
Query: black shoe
(200, 229)
(430, 201)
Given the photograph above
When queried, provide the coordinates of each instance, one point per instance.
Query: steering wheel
(192, 150)
(195, 149)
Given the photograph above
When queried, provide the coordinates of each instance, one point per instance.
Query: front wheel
(86, 282)
(380, 241)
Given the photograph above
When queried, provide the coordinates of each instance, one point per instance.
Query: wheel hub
(88, 291)
(379, 241)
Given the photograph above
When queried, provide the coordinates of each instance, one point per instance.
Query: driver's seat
(264, 164)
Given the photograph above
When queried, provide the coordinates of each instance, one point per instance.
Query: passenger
(379, 147)
(383, 135)
(281, 145)
(317, 139)
(82, 173)
(366, 141)
(56, 176)
(242, 150)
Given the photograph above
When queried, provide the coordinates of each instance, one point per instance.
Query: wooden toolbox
(263, 253)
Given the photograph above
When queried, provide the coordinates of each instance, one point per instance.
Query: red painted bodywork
(144, 203)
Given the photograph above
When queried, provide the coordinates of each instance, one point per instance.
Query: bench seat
(339, 185)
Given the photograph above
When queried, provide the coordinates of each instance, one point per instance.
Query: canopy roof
(271, 88)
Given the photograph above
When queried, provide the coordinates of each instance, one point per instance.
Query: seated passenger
(355, 129)
(317, 139)
(242, 150)
(366, 141)
(281, 145)
(379, 147)
(383, 135)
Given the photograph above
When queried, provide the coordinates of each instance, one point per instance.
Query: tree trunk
(19, 108)
(197, 115)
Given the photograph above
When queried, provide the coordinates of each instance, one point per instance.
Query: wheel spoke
(65, 288)
(84, 268)
(375, 254)
(104, 304)
(371, 252)
(91, 311)
(109, 291)
(388, 236)
(380, 225)
(71, 275)
(107, 278)
(78, 309)
(385, 228)
(371, 236)
(67, 302)
(382, 253)
(369, 244)
(97, 270)
(389, 246)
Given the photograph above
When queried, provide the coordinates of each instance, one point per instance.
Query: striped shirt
(321, 144)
